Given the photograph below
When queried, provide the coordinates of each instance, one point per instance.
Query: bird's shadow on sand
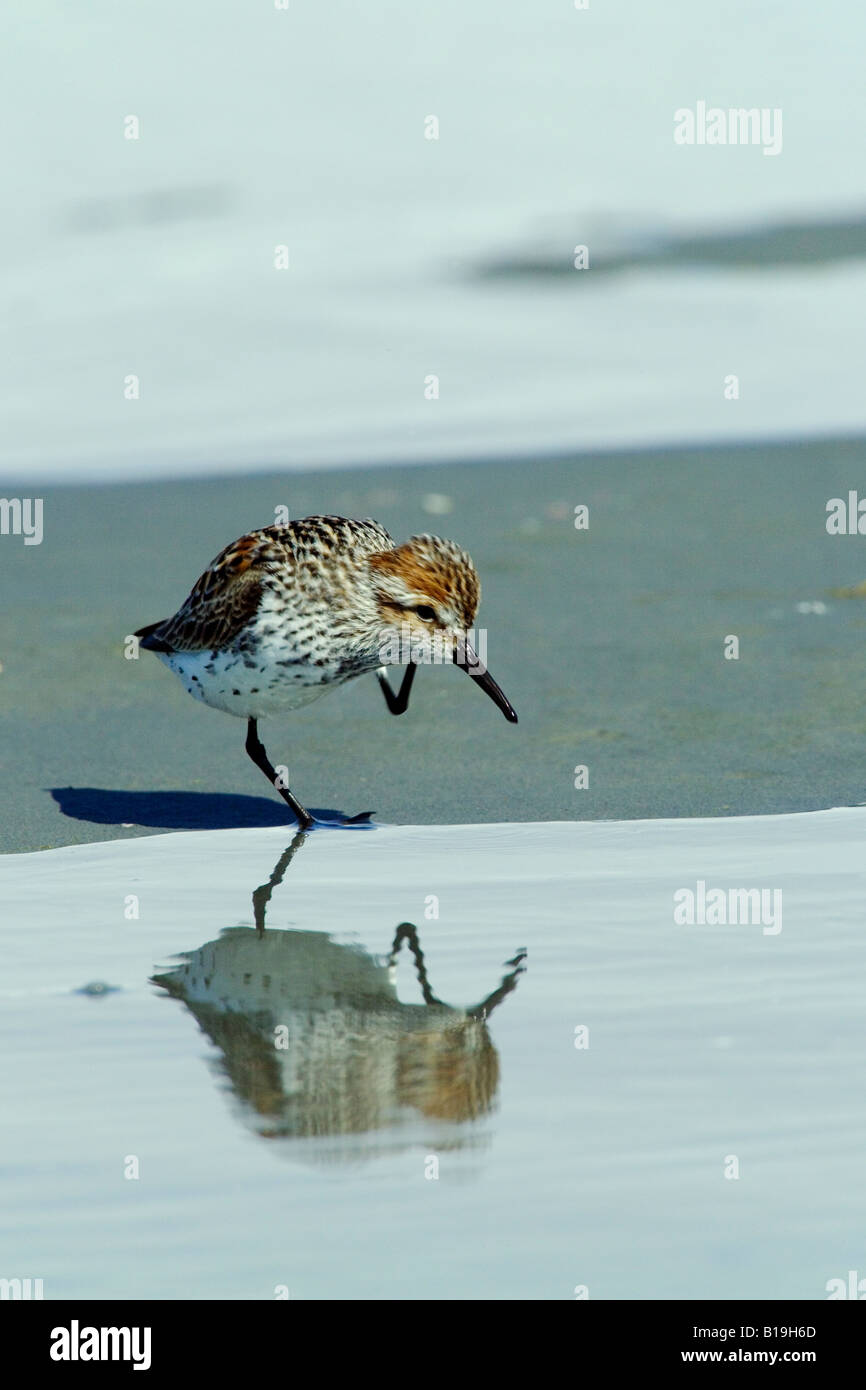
(166, 810)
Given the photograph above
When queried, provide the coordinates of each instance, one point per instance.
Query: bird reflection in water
(316, 1045)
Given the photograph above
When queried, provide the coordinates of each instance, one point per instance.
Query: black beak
(466, 659)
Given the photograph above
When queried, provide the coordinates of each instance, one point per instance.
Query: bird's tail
(150, 640)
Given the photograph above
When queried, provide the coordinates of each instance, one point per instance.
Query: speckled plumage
(284, 614)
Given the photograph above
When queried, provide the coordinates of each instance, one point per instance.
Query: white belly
(226, 682)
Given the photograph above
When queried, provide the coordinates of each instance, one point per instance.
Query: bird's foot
(359, 822)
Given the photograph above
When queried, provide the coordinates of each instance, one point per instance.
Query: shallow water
(307, 1158)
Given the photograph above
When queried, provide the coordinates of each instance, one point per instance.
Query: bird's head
(427, 592)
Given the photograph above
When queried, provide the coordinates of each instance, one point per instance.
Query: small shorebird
(287, 613)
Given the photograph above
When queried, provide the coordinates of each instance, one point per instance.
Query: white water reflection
(315, 1043)
(557, 1166)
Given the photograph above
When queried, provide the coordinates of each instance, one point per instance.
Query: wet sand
(609, 643)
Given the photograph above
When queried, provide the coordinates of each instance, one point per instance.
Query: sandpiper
(287, 613)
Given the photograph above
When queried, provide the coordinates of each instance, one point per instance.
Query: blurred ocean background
(411, 257)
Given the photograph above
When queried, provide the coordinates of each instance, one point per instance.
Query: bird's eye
(426, 612)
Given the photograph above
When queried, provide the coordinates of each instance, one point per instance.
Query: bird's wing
(221, 601)
(227, 595)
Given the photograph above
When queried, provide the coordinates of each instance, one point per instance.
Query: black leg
(407, 932)
(399, 703)
(256, 750)
(262, 895)
(509, 982)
